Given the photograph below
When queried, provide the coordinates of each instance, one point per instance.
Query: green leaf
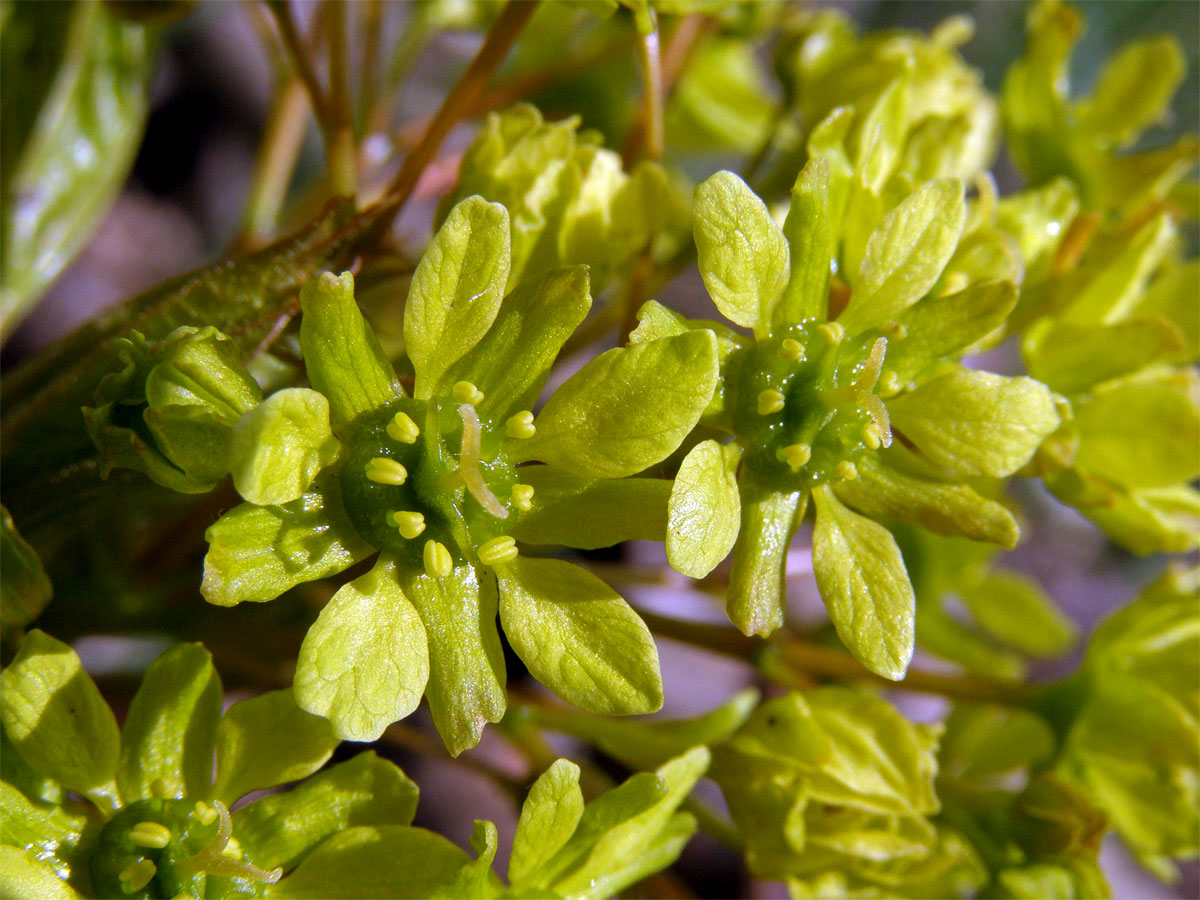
(590, 513)
(882, 491)
(743, 256)
(755, 598)
(548, 818)
(1134, 89)
(342, 356)
(1142, 432)
(75, 128)
(170, 731)
(281, 829)
(456, 290)
(277, 448)
(976, 423)
(863, 582)
(578, 637)
(268, 740)
(25, 588)
(1015, 610)
(256, 553)
(1072, 358)
(626, 409)
(705, 510)
(372, 863)
(947, 326)
(810, 239)
(24, 874)
(510, 363)
(365, 662)
(466, 663)
(907, 253)
(55, 717)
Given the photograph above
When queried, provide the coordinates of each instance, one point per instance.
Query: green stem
(646, 136)
(296, 53)
(342, 147)
(277, 155)
(712, 822)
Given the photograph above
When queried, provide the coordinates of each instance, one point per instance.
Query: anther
(770, 402)
(160, 789)
(151, 835)
(403, 429)
(871, 436)
(522, 497)
(136, 876)
(831, 333)
(438, 563)
(846, 470)
(465, 392)
(791, 349)
(205, 813)
(895, 331)
(498, 550)
(520, 425)
(382, 470)
(796, 455)
(410, 523)
(233, 849)
(889, 384)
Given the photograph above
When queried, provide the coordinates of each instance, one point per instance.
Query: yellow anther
(150, 835)
(403, 429)
(871, 436)
(438, 563)
(465, 392)
(895, 331)
(520, 425)
(205, 813)
(846, 469)
(770, 402)
(160, 789)
(522, 497)
(136, 876)
(796, 455)
(410, 523)
(831, 332)
(888, 385)
(382, 470)
(792, 349)
(498, 550)
(233, 849)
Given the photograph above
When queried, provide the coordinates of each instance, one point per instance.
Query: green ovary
(804, 404)
(402, 490)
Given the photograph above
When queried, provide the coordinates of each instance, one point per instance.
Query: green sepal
(456, 290)
(549, 816)
(705, 509)
(590, 513)
(906, 254)
(256, 553)
(755, 599)
(24, 874)
(742, 254)
(579, 637)
(1037, 219)
(1172, 296)
(882, 490)
(1016, 611)
(865, 586)
(1134, 90)
(626, 409)
(60, 835)
(1073, 358)
(1111, 293)
(364, 663)
(510, 363)
(466, 663)
(169, 734)
(266, 741)
(121, 447)
(984, 743)
(278, 447)
(56, 718)
(880, 138)
(25, 587)
(282, 829)
(810, 239)
(342, 356)
(976, 423)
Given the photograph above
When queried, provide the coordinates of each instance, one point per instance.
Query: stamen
(889, 384)
(135, 877)
(520, 425)
(468, 463)
(403, 429)
(205, 813)
(438, 563)
(382, 470)
(895, 331)
(150, 835)
(831, 333)
(212, 860)
(871, 436)
(465, 392)
(160, 789)
(796, 455)
(846, 469)
(770, 402)
(791, 349)
(410, 523)
(498, 550)
(522, 497)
